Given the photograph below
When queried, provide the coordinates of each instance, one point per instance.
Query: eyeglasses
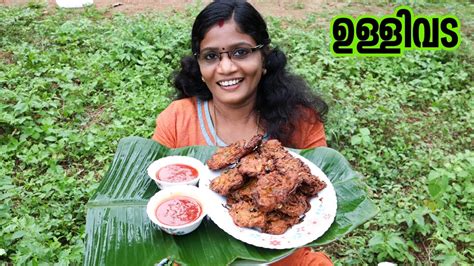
(211, 57)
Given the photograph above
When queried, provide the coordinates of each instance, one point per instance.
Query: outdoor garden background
(74, 82)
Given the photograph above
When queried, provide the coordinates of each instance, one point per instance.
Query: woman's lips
(229, 85)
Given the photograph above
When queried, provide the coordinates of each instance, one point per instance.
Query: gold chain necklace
(215, 123)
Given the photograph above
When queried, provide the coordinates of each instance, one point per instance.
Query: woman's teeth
(229, 82)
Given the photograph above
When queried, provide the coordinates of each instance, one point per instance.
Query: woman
(236, 86)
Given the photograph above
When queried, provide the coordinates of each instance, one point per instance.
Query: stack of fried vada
(266, 187)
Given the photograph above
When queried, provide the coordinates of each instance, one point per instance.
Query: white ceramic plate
(317, 220)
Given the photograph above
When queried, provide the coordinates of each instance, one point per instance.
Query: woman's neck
(234, 123)
(234, 113)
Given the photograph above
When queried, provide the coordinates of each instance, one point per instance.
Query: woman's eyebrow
(229, 47)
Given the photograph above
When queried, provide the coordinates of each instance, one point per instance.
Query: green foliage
(73, 83)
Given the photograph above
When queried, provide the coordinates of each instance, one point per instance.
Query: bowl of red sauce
(177, 210)
(176, 170)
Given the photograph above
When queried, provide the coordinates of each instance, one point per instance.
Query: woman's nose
(226, 64)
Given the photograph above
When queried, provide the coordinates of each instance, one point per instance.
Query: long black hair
(282, 98)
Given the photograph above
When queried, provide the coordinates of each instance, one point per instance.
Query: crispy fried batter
(277, 223)
(226, 156)
(252, 165)
(273, 149)
(281, 159)
(227, 181)
(292, 167)
(277, 193)
(311, 185)
(242, 194)
(273, 189)
(247, 215)
(296, 205)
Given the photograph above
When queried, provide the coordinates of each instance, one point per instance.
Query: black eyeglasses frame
(253, 49)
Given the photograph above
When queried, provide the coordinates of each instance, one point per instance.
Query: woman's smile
(230, 84)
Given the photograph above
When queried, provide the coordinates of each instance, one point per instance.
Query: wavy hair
(282, 98)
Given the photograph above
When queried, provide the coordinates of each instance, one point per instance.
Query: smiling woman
(235, 86)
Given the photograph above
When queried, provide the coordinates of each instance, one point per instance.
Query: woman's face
(231, 81)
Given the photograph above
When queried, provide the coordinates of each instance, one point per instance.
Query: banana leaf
(118, 231)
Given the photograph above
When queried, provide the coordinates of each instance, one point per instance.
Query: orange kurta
(304, 257)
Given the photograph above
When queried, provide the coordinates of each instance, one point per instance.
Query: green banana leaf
(118, 231)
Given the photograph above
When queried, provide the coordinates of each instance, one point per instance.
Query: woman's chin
(232, 99)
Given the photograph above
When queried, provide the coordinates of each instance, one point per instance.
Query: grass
(73, 84)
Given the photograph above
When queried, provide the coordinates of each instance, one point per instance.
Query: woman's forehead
(225, 35)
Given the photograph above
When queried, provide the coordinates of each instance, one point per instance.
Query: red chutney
(177, 211)
(176, 173)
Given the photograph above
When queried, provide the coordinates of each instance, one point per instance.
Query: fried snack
(252, 165)
(229, 180)
(311, 185)
(273, 189)
(277, 223)
(296, 205)
(245, 214)
(273, 149)
(226, 156)
(242, 194)
(281, 159)
(268, 189)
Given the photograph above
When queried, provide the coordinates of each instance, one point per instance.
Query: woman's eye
(240, 52)
(210, 56)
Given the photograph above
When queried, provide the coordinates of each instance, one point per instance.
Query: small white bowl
(186, 160)
(176, 191)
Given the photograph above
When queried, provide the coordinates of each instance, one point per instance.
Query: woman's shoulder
(184, 103)
(309, 130)
(307, 115)
(179, 109)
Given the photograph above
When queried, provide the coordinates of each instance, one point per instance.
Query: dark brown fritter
(292, 167)
(246, 214)
(283, 161)
(254, 142)
(311, 185)
(296, 205)
(252, 165)
(277, 223)
(273, 189)
(242, 194)
(231, 154)
(229, 180)
(273, 149)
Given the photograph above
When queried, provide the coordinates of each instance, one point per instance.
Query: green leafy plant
(72, 84)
